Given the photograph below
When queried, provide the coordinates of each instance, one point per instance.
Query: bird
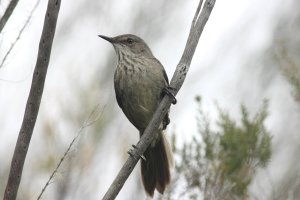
(140, 81)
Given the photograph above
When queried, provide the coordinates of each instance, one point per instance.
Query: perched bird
(139, 81)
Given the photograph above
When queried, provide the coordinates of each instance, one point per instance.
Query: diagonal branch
(10, 8)
(34, 100)
(182, 68)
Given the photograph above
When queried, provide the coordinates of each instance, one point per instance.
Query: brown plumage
(139, 80)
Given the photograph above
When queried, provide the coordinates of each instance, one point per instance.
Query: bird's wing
(163, 70)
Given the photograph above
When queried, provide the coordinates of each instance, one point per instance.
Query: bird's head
(129, 44)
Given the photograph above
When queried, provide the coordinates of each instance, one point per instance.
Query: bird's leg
(167, 90)
(132, 154)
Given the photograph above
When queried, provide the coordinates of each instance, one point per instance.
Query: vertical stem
(34, 100)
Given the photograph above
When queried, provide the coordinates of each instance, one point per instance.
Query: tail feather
(156, 168)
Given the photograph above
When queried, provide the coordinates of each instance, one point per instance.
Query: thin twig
(9, 10)
(88, 122)
(33, 101)
(19, 35)
(176, 83)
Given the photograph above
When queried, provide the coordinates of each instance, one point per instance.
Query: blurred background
(248, 52)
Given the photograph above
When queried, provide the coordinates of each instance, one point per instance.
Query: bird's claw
(130, 152)
(167, 91)
(143, 157)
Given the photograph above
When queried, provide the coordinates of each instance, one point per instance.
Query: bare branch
(19, 35)
(197, 13)
(34, 100)
(93, 117)
(10, 8)
(176, 83)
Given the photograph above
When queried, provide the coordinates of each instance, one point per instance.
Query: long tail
(156, 167)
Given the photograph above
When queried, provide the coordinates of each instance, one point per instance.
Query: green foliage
(242, 148)
(221, 164)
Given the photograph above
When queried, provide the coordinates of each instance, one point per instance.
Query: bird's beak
(109, 39)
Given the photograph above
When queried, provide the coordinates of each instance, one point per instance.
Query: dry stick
(20, 33)
(90, 121)
(33, 102)
(10, 8)
(176, 83)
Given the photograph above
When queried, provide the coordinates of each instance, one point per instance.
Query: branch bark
(34, 100)
(178, 78)
(10, 8)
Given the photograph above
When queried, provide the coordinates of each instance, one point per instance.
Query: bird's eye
(129, 41)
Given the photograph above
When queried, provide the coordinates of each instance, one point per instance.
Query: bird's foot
(167, 90)
(131, 153)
